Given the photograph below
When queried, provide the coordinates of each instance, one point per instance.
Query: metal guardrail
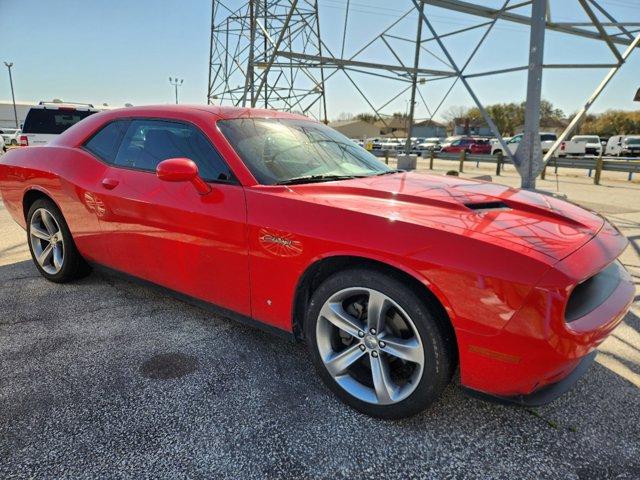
(628, 165)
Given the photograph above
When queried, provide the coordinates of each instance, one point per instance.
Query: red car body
(503, 263)
(470, 145)
(480, 147)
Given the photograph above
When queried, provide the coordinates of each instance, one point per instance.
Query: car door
(86, 170)
(168, 233)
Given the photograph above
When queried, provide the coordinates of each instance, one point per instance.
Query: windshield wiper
(389, 172)
(314, 178)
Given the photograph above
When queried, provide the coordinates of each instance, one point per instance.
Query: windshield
(633, 141)
(279, 150)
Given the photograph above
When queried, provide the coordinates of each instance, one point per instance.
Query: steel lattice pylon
(270, 53)
(244, 68)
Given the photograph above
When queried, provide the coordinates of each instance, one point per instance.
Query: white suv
(547, 139)
(46, 121)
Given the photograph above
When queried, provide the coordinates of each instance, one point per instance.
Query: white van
(614, 146)
(46, 121)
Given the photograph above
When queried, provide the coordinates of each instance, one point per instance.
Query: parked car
(429, 145)
(614, 146)
(480, 147)
(580, 145)
(457, 145)
(47, 120)
(547, 139)
(417, 140)
(630, 146)
(10, 136)
(284, 222)
(391, 144)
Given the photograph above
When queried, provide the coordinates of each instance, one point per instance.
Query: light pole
(13, 97)
(176, 83)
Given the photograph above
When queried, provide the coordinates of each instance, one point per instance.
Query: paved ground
(104, 378)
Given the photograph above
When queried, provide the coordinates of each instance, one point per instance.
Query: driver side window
(149, 142)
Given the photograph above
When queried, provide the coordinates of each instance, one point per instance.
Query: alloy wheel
(47, 242)
(370, 346)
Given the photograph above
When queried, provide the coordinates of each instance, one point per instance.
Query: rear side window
(148, 142)
(105, 143)
(52, 122)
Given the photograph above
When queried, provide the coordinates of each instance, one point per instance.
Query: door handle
(110, 183)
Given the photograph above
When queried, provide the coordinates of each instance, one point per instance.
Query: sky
(124, 51)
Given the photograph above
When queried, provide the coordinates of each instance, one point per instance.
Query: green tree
(509, 116)
(611, 122)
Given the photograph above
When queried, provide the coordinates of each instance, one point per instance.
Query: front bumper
(538, 349)
(544, 395)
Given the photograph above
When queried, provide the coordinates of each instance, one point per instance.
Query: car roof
(220, 111)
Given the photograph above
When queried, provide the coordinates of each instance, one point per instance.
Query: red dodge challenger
(393, 279)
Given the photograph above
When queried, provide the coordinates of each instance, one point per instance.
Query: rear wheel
(377, 345)
(52, 248)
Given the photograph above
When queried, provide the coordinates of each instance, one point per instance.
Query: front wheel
(377, 345)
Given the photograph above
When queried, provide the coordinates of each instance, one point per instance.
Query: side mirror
(182, 170)
(603, 143)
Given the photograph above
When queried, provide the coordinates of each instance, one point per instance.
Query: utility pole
(176, 83)
(414, 79)
(528, 156)
(13, 97)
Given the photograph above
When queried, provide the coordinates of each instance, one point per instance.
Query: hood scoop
(493, 205)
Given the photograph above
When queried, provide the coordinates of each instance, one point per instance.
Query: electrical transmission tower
(270, 53)
(250, 55)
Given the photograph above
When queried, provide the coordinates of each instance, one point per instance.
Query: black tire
(439, 347)
(73, 265)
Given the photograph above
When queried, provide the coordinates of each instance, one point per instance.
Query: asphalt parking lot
(106, 378)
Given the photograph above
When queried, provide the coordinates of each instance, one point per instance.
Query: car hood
(518, 219)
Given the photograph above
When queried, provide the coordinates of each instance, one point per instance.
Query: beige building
(355, 128)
